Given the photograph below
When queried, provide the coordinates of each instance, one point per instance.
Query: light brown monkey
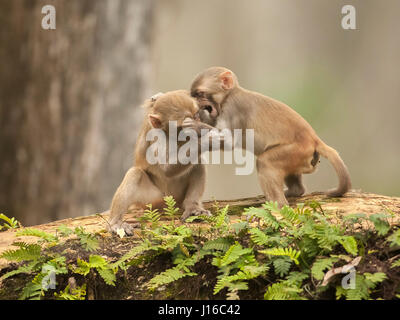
(147, 183)
(286, 146)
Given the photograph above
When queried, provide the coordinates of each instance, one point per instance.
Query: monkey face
(209, 110)
(210, 88)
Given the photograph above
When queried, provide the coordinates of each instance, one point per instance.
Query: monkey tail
(341, 170)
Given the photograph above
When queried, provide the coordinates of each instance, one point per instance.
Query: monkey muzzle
(213, 112)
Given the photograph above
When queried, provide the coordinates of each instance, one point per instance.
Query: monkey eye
(199, 94)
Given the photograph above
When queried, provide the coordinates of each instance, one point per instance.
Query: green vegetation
(8, 223)
(271, 253)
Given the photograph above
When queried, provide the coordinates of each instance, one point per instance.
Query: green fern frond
(132, 254)
(30, 232)
(349, 243)
(79, 293)
(376, 277)
(236, 281)
(22, 269)
(169, 276)
(258, 237)
(396, 264)
(320, 265)
(394, 238)
(220, 244)
(26, 252)
(221, 220)
(32, 291)
(239, 227)
(233, 254)
(282, 266)
(283, 291)
(289, 214)
(10, 223)
(380, 222)
(264, 215)
(151, 215)
(296, 278)
(170, 210)
(289, 252)
(108, 275)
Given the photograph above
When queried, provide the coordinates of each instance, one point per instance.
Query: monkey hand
(123, 226)
(199, 127)
(194, 212)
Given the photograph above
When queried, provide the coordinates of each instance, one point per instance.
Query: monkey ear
(227, 80)
(155, 121)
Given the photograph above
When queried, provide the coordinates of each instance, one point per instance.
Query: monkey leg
(271, 182)
(192, 202)
(295, 185)
(273, 167)
(136, 187)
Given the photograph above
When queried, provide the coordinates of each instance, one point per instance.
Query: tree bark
(69, 103)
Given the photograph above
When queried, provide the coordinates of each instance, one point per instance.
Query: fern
(320, 265)
(296, 278)
(222, 220)
(264, 215)
(48, 237)
(289, 252)
(289, 214)
(26, 252)
(239, 227)
(32, 291)
(380, 222)
(10, 223)
(221, 244)
(64, 231)
(88, 240)
(22, 269)
(349, 243)
(375, 278)
(236, 282)
(394, 238)
(395, 264)
(364, 285)
(151, 215)
(100, 265)
(233, 254)
(258, 237)
(282, 266)
(79, 293)
(170, 210)
(168, 276)
(283, 291)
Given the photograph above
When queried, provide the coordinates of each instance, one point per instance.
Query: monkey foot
(125, 227)
(195, 212)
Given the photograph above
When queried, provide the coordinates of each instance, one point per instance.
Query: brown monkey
(147, 183)
(286, 146)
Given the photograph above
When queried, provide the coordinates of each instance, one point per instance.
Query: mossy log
(352, 202)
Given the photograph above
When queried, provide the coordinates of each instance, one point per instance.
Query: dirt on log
(352, 202)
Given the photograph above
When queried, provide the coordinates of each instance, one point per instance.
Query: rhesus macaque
(285, 145)
(147, 183)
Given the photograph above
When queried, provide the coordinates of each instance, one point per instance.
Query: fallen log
(352, 202)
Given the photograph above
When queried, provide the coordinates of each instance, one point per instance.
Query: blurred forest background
(70, 98)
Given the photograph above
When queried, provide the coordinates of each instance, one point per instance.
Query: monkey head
(176, 106)
(210, 88)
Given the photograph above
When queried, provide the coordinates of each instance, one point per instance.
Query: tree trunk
(69, 103)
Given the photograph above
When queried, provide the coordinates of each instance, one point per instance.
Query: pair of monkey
(285, 145)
